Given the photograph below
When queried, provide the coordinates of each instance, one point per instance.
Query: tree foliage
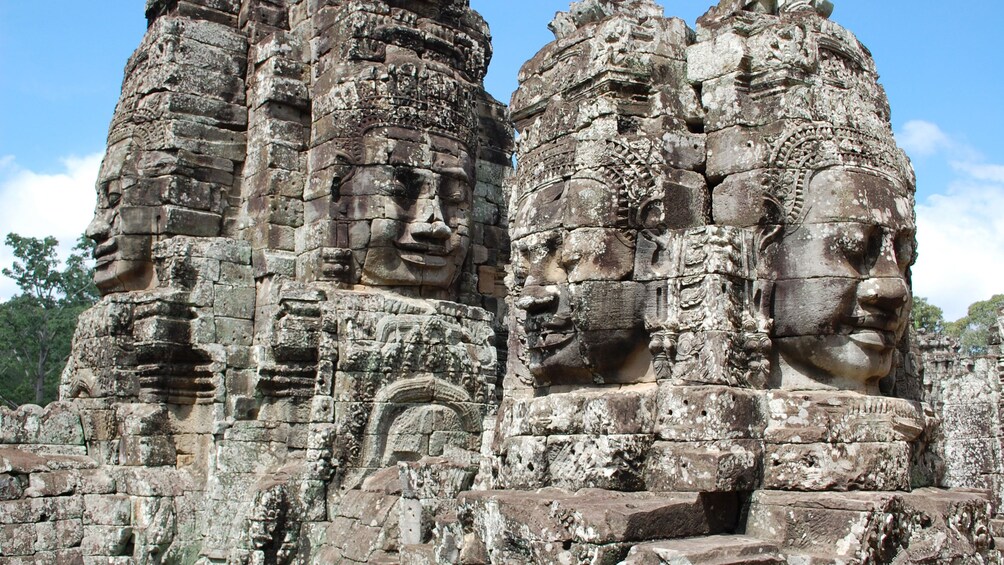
(973, 330)
(37, 324)
(926, 316)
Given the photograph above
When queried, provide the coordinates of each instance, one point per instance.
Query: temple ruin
(338, 324)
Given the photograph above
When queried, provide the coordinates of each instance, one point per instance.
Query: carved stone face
(842, 298)
(582, 319)
(416, 197)
(122, 231)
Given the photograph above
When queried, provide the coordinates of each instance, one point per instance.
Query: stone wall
(337, 328)
(965, 393)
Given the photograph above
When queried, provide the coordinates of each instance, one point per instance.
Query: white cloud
(961, 246)
(979, 171)
(38, 204)
(961, 228)
(923, 139)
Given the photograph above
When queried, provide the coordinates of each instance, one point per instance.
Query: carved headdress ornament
(415, 97)
(413, 66)
(628, 168)
(804, 151)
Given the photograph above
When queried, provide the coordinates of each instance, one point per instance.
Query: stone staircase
(711, 550)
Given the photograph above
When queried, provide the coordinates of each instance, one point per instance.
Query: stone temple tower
(339, 326)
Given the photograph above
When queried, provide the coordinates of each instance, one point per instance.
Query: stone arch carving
(396, 398)
(81, 385)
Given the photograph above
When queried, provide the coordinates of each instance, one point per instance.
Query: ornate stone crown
(412, 97)
(808, 149)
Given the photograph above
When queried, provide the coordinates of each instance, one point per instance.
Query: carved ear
(771, 222)
(763, 302)
(769, 235)
(343, 168)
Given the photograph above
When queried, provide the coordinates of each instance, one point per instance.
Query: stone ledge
(712, 550)
(925, 526)
(597, 516)
(23, 462)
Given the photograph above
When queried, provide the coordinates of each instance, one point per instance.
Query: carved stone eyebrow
(458, 173)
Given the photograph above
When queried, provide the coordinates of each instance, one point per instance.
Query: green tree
(973, 330)
(37, 325)
(927, 316)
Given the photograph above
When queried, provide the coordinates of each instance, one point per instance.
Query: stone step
(418, 554)
(602, 516)
(922, 526)
(997, 527)
(593, 525)
(710, 550)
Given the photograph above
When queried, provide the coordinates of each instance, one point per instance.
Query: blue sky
(61, 68)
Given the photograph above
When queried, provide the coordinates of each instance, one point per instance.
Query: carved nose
(431, 230)
(537, 299)
(430, 222)
(889, 294)
(99, 227)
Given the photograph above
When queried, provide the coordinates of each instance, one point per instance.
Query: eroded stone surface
(711, 550)
(338, 328)
(554, 525)
(927, 524)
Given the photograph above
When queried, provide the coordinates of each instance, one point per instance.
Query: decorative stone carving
(306, 351)
(274, 355)
(849, 205)
(769, 323)
(172, 152)
(593, 178)
(391, 165)
(818, 162)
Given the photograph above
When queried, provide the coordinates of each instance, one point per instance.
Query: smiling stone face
(418, 197)
(582, 310)
(842, 296)
(403, 131)
(608, 159)
(122, 231)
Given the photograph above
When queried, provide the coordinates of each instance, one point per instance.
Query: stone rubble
(339, 327)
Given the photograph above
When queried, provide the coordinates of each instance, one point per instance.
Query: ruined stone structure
(338, 327)
(965, 393)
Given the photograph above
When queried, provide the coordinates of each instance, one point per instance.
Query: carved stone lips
(104, 252)
(424, 260)
(872, 338)
(552, 340)
(874, 331)
(425, 255)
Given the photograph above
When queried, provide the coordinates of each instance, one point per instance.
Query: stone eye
(406, 184)
(521, 265)
(874, 248)
(454, 191)
(854, 246)
(906, 250)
